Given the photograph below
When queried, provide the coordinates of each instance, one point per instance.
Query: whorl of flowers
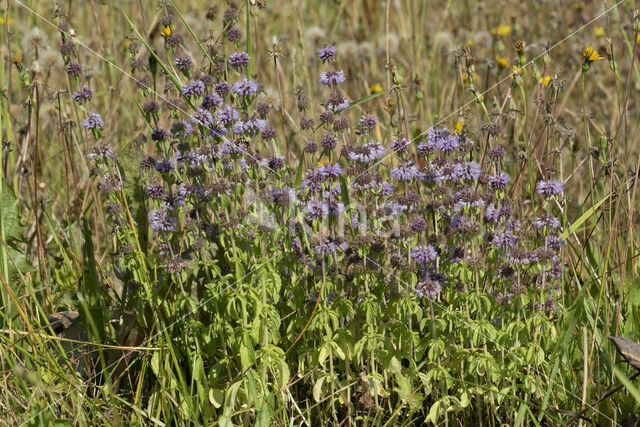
(549, 188)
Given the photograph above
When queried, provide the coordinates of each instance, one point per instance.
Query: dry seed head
(34, 40)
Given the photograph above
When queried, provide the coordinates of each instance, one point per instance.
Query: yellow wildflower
(501, 61)
(545, 80)
(166, 31)
(323, 161)
(17, 59)
(459, 125)
(590, 54)
(3, 21)
(516, 70)
(599, 32)
(638, 39)
(465, 78)
(126, 43)
(375, 88)
(470, 42)
(501, 30)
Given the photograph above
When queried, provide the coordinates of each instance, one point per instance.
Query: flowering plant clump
(436, 229)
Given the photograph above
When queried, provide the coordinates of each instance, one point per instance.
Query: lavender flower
(245, 87)
(329, 142)
(183, 63)
(549, 188)
(368, 121)
(405, 172)
(155, 191)
(239, 60)
(85, 94)
(428, 288)
(337, 102)
(497, 153)
(555, 272)
(504, 239)
(165, 165)
(202, 117)
(332, 77)
(436, 136)
(400, 145)
(193, 88)
(316, 209)
(554, 242)
(210, 101)
(450, 143)
(234, 34)
(269, 132)
(160, 220)
(470, 171)
(93, 121)
(222, 88)
(179, 129)
(386, 188)
(419, 224)
(366, 153)
(425, 147)
(175, 40)
(548, 221)
(311, 147)
(150, 107)
(100, 152)
(159, 134)
(423, 254)
(227, 115)
(74, 69)
(327, 53)
(328, 247)
(499, 182)
(251, 126)
(330, 170)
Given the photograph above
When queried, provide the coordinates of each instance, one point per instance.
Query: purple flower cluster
(245, 87)
(193, 88)
(423, 254)
(92, 121)
(327, 53)
(549, 188)
(83, 95)
(159, 219)
(329, 78)
(405, 172)
(239, 60)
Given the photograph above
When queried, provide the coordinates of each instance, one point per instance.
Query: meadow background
(450, 241)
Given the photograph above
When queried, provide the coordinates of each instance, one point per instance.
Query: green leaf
(216, 397)
(9, 215)
(300, 170)
(363, 100)
(585, 216)
(404, 387)
(317, 389)
(632, 389)
(13, 258)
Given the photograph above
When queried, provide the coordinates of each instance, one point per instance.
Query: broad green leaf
(216, 397)
(317, 389)
(9, 214)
